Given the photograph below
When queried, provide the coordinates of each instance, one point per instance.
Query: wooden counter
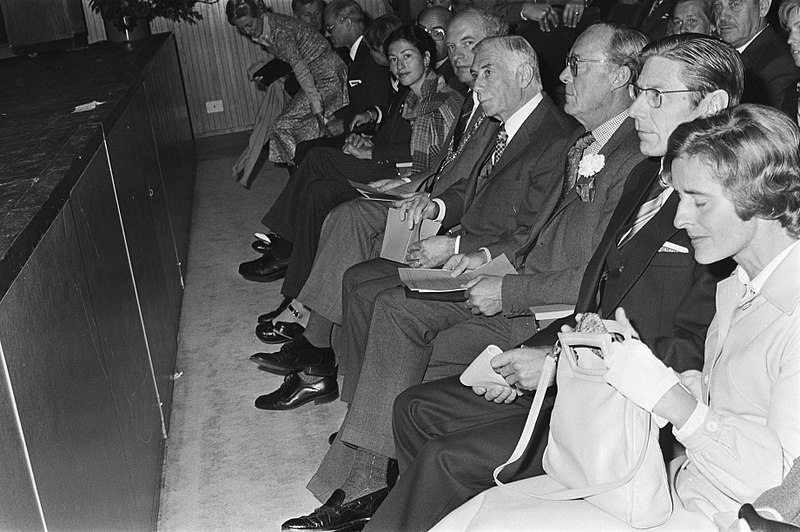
(95, 211)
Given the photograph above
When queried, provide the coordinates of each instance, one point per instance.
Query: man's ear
(763, 7)
(524, 74)
(714, 102)
(426, 59)
(623, 77)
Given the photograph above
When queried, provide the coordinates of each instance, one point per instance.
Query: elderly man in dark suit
(516, 167)
(769, 69)
(450, 439)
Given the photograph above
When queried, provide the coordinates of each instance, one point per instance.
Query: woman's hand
(544, 14)
(323, 127)
(364, 152)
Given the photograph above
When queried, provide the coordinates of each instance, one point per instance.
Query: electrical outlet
(214, 106)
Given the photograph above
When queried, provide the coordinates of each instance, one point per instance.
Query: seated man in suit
(403, 332)
(449, 439)
(516, 167)
(353, 232)
(771, 75)
(434, 20)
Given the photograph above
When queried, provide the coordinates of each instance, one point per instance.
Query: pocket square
(354, 82)
(671, 247)
(481, 373)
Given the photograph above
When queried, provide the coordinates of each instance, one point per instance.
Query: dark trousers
(317, 186)
(448, 442)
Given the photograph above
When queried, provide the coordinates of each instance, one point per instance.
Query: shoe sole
(272, 368)
(265, 278)
(353, 526)
(321, 400)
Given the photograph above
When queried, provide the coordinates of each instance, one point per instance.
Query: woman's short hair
(785, 11)
(380, 29)
(707, 64)
(754, 154)
(415, 35)
(244, 8)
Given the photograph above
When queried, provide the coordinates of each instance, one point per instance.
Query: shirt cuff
(405, 179)
(379, 113)
(458, 244)
(442, 210)
(487, 253)
(693, 424)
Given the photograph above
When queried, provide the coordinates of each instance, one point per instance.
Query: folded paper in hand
(397, 236)
(481, 373)
(372, 193)
(438, 280)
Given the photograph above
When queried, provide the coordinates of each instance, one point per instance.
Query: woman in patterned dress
(322, 75)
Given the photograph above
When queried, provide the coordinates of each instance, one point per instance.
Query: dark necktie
(649, 208)
(573, 161)
(463, 120)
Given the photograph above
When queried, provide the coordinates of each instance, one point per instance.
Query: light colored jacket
(751, 383)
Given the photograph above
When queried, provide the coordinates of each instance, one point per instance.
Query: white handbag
(601, 446)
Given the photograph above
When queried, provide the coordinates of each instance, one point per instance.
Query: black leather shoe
(260, 246)
(269, 316)
(333, 516)
(278, 333)
(294, 392)
(264, 269)
(298, 354)
(280, 247)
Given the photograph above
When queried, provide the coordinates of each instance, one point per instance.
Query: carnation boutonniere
(587, 168)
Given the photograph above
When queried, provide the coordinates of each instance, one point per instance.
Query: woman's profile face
(378, 56)
(708, 215)
(250, 26)
(407, 63)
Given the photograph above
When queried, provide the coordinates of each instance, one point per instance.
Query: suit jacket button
(620, 269)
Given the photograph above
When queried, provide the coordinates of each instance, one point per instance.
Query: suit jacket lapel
(636, 189)
(648, 241)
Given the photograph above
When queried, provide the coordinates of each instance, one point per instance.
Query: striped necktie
(463, 120)
(646, 212)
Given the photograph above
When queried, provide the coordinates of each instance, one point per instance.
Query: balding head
(465, 31)
(506, 72)
(434, 20)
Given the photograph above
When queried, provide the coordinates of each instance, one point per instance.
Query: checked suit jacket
(561, 242)
(498, 214)
(668, 296)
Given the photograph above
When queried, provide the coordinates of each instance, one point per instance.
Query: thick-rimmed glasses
(329, 27)
(437, 33)
(573, 60)
(653, 96)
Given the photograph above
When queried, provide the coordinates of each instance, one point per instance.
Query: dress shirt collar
(354, 48)
(743, 47)
(755, 286)
(516, 120)
(603, 133)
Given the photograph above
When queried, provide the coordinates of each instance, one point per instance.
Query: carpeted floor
(230, 466)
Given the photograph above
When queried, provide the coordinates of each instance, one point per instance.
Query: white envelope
(481, 373)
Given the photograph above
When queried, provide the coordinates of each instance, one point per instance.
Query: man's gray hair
(624, 46)
(515, 48)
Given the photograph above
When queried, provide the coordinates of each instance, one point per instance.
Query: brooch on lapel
(587, 168)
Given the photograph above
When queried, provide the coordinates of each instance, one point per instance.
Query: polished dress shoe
(294, 393)
(298, 354)
(333, 516)
(278, 332)
(269, 316)
(260, 246)
(281, 247)
(264, 269)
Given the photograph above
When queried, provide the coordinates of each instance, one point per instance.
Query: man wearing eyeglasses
(434, 21)
(771, 75)
(448, 437)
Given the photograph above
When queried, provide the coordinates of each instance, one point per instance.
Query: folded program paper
(438, 280)
(397, 236)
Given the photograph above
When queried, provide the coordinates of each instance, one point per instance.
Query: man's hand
(544, 14)
(460, 263)
(485, 295)
(358, 141)
(360, 118)
(416, 208)
(573, 11)
(497, 394)
(363, 152)
(430, 252)
(522, 367)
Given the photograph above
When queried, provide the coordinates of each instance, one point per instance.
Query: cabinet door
(148, 234)
(61, 386)
(172, 132)
(120, 332)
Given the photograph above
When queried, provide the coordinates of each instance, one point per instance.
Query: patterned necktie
(491, 160)
(574, 156)
(463, 120)
(646, 212)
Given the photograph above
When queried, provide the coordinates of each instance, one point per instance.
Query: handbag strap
(548, 370)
